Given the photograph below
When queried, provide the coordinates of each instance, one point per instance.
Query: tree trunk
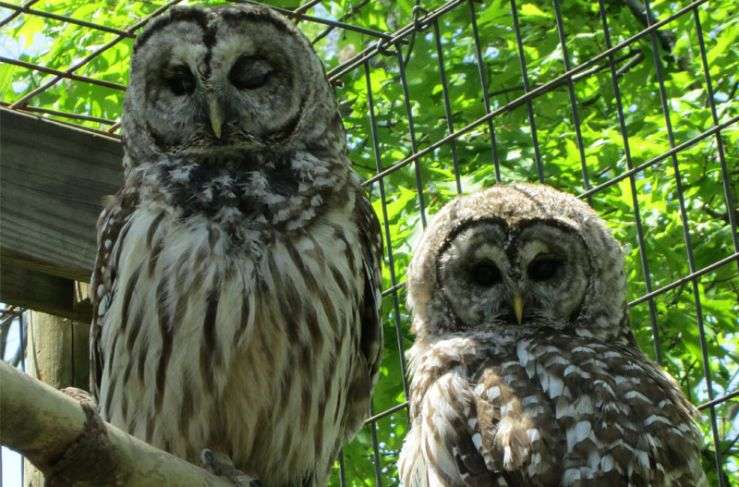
(56, 353)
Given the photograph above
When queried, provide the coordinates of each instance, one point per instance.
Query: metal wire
(728, 198)
(538, 91)
(692, 277)
(411, 134)
(349, 14)
(298, 15)
(651, 162)
(688, 241)
(482, 73)
(62, 74)
(10, 316)
(571, 94)
(398, 36)
(63, 18)
(386, 227)
(529, 104)
(17, 13)
(74, 116)
(385, 49)
(77, 65)
(643, 258)
(376, 453)
(447, 104)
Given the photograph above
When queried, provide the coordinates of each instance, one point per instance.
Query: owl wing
(370, 340)
(461, 437)
(624, 420)
(481, 424)
(669, 436)
(439, 449)
(111, 229)
(479, 420)
(371, 241)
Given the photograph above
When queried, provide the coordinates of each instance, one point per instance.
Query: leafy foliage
(676, 205)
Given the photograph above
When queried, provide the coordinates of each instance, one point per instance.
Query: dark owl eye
(485, 274)
(249, 72)
(544, 268)
(180, 80)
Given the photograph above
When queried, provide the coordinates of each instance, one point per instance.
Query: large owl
(524, 370)
(236, 284)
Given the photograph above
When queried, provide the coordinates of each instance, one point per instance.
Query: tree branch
(646, 18)
(50, 428)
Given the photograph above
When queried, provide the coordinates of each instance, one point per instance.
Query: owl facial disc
(518, 256)
(209, 84)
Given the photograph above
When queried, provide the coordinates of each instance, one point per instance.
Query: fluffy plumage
(524, 370)
(237, 279)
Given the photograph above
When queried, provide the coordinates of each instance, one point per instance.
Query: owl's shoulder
(112, 224)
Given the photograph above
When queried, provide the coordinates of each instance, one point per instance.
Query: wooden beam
(52, 182)
(42, 292)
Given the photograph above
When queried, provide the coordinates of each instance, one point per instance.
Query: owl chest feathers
(245, 350)
(527, 409)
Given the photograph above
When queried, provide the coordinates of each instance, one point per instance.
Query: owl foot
(222, 466)
(88, 458)
(81, 396)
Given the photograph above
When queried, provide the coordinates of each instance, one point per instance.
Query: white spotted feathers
(535, 380)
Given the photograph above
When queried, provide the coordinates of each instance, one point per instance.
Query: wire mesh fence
(13, 338)
(630, 105)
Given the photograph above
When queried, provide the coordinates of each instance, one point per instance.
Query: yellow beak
(215, 115)
(518, 307)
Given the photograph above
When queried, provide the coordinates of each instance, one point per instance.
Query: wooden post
(57, 353)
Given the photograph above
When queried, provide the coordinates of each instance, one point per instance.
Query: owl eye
(250, 72)
(180, 80)
(544, 268)
(485, 274)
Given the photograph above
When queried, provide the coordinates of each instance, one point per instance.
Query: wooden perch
(62, 438)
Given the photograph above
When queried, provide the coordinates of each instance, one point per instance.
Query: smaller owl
(524, 371)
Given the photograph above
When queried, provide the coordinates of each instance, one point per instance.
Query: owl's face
(229, 116)
(519, 256)
(208, 82)
(533, 274)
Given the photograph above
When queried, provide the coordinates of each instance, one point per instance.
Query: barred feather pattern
(268, 358)
(524, 371)
(519, 408)
(237, 277)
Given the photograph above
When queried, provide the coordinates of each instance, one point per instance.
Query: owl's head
(213, 82)
(519, 256)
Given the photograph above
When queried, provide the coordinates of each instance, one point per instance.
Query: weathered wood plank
(52, 181)
(42, 292)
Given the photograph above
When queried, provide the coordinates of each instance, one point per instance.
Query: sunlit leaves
(608, 151)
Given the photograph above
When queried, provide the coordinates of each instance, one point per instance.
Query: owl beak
(518, 307)
(215, 115)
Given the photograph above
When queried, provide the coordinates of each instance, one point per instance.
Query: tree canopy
(647, 103)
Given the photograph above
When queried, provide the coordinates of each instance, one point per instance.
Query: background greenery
(58, 45)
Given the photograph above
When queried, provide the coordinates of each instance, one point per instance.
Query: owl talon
(89, 455)
(81, 396)
(222, 466)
